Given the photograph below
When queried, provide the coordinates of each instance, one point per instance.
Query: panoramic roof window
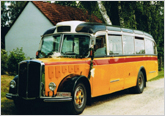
(49, 31)
(64, 29)
(90, 27)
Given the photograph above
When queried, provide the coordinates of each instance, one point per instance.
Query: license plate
(64, 94)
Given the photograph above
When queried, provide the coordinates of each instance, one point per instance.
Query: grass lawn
(5, 80)
(7, 106)
(160, 75)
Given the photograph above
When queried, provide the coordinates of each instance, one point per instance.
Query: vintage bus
(78, 60)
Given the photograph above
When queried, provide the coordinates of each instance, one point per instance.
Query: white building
(35, 18)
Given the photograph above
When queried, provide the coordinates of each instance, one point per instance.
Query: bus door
(100, 65)
(116, 67)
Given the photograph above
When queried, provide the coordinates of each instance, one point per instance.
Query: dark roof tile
(57, 13)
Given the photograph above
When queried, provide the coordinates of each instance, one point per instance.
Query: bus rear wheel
(140, 83)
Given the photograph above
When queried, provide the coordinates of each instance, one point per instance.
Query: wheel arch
(86, 83)
(69, 83)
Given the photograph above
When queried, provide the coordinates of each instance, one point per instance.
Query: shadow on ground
(8, 107)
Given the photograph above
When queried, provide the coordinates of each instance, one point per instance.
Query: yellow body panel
(110, 74)
(57, 72)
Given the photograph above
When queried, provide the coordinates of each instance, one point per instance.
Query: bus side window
(115, 45)
(128, 45)
(149, 46)
(100, 47)
(139, 45)
(155, 48)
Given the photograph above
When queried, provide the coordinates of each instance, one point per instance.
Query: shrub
(15, 57)
(4, 59)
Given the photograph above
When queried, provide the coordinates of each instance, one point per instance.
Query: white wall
(27, 30)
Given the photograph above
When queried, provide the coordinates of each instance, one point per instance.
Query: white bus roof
(90, 27)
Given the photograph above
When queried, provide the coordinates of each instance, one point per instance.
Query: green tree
(14, 58)
(4, 16)
(8, 15)
(14, 9)
(157, 28)
(128, 14)
(89, 6)
(4, 59)
(67, 3)
(113, 11)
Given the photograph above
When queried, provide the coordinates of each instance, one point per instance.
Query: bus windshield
(50, 44)
(65, 45)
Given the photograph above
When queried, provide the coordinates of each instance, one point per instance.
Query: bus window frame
(90, 40)
(140, 38)
(108, 43)
(130, 35)
(102, 33)
(134, 35)
(155, 45)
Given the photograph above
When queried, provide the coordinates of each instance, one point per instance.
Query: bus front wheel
(77, 105)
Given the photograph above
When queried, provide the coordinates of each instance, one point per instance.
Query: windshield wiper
(46, 55)
(69, 53)
(72, 54)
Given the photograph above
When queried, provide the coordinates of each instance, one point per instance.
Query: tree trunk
(104, 13)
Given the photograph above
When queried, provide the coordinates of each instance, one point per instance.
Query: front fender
(69, 82)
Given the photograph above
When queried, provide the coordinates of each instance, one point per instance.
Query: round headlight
(52, 86)
(12, 84)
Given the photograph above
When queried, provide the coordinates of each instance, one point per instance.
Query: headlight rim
(12, 84)
(52, 86)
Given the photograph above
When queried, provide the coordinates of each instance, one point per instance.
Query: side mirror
(92, 52)
(93, 41)
(37, 53)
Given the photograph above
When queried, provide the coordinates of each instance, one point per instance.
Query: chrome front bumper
(44, 99)
(11, 96)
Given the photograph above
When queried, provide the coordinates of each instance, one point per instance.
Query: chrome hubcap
(79, 97)
(140, 81)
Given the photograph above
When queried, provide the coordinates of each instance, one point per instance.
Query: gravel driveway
(150, 102)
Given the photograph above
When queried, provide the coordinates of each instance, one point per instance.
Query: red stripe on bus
(122, 60)
(106, 61)
(70, 62)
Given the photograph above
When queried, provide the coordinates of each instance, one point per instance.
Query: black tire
(78, 103)
(140, 83)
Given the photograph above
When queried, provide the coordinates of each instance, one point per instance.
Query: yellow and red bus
(78, 60)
